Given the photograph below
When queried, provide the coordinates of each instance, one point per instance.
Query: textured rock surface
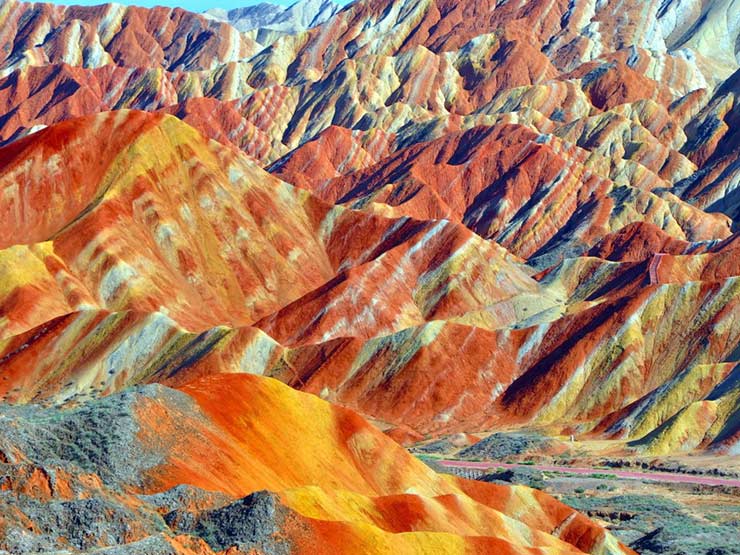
(449, 217)
(337, 482)
(415, 322)
(498, 446)
(266, 17)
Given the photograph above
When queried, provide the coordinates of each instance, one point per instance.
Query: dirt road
(625, 474)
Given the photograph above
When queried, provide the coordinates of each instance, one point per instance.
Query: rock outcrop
(447, 217)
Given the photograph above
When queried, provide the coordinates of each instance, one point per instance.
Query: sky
(192, 5)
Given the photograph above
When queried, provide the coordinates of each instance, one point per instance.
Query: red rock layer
(461, 140)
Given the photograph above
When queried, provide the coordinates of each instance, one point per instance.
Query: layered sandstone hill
(150, 254)
(139, 255)
(266, 17)
(247, 464)
(445, 216)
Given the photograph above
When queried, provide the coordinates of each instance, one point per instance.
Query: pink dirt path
(627, 474)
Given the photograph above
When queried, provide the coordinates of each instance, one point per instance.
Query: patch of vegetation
(503, 445)
(521, 476)
(659, 526)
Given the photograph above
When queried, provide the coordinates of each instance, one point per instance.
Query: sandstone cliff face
(445, 216)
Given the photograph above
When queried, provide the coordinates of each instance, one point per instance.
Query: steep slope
(293, 19)
(137, 237)
(541, 197)
(39, 34)
(417, 323)
(713, 138)
(650, 97)
(572, 33)
(338, 484)
(167, 203)
(479, 213)
(113, 228)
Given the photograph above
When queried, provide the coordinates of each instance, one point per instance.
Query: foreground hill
(245, 461)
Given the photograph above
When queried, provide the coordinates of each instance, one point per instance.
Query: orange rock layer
(446, 216)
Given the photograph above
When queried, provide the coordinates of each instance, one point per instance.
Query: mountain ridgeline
(237, 235)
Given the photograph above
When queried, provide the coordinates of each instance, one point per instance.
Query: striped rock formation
(411, 321)
(244, 462)
(266, 17)
(444, 216)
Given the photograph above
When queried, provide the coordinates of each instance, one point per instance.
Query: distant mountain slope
(127, 36)
(298, 17)
(446, 215)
